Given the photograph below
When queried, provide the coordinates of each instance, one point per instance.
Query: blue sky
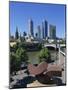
(21, 12)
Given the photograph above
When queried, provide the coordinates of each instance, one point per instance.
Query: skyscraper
(39, 31)
(44, 29)
(52, 31)
(16, 33)
(31, 28)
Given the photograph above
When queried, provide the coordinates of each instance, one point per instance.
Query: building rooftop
(43, 67)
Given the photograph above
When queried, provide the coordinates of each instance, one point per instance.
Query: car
(23, 65)
(20, 84)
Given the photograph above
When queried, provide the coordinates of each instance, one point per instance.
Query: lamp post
(56, 51)
(59, 51)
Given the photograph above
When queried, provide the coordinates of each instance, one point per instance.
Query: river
(33, 56)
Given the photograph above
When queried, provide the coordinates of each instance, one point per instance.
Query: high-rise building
(16, 33)
(44, 29)
(52, 31)
(31, 33)
(39, 31)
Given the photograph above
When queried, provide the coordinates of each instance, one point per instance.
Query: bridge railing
(54, 45)
(63, 50)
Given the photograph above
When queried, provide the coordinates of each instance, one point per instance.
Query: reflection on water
(33, 56)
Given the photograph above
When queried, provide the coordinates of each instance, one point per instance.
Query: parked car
(20, 84)
(24, 65)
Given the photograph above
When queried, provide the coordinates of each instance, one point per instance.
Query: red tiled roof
(35, 70)
(43, 68)
(54, 67)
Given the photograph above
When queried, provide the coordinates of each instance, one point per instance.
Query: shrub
(44, 55)
(22, 55)
(14, 63)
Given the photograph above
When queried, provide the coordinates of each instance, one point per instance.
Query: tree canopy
(16, 59)
(14, 62)
(44, 55)
(22, 55)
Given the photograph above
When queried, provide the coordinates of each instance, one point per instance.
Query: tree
(16, 58)
(14, 63)
(44, 55)
(62, 42)
(39, 46)
(16, 34)
(22, 55)
(16, 46)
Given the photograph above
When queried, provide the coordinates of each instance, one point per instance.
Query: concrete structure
(54, 45)
(52, 32)
(62, 61)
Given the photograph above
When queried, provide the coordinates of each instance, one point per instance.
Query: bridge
(54, 45)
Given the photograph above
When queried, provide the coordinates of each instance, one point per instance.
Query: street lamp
(56, 50)
(59, 51)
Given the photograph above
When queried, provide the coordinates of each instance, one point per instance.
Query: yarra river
(33, 56)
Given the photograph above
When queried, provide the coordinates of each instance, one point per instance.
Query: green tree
(21, 55)
(39, 46)
(62, 42)
(16, 46)
(44, 55)
(14, 63)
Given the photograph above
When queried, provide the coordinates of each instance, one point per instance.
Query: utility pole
(56, 50)
(59, 51)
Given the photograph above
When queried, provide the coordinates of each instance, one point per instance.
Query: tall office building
(31, 28)
(44, 29)
(52, 31)
(16, 33)
(39, 31)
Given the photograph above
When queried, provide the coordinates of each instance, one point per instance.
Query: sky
(21, 12)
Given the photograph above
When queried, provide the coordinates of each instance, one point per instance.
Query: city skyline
(21, 12)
